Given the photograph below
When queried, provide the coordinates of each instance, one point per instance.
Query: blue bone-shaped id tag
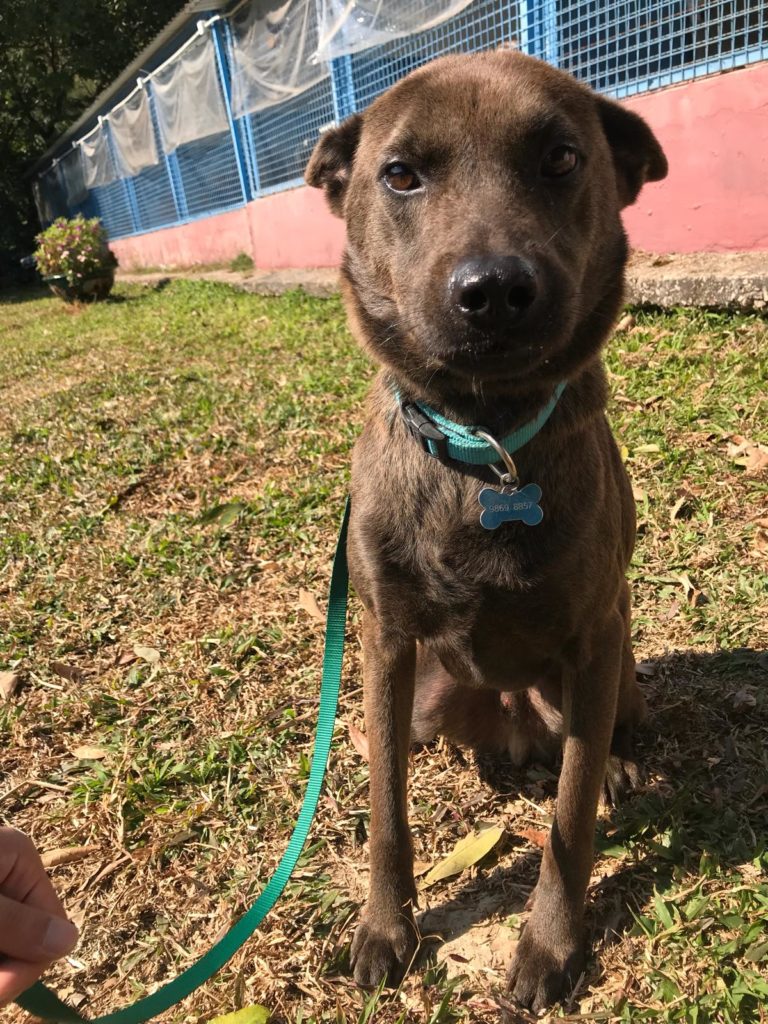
(508, 506)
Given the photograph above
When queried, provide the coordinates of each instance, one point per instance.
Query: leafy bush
(242, 262)
(75, 249)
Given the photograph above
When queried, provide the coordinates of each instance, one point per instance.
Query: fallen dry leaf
(677, 508)
(693, 595)
(308, 602)
(757, 460)
(9, 683)
(70, 672)
(148, 654)
(744, 699)
(359, 741)
(645, 668)
(86, 753)
(625, 323)
(466, 852)
(671, 611)
(536, 836)
(750, 455)
(66, 855)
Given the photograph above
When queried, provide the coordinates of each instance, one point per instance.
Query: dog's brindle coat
(484, 264)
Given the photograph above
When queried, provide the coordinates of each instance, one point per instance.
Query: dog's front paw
(541, 972)
(383, 947)
(623, 774)
(622, 777)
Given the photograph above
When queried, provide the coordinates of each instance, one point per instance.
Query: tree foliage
(55, 58)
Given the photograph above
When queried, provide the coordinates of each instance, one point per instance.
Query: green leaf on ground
(253, 1014)
(466, 852)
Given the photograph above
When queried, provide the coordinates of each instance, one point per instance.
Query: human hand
(34, 930)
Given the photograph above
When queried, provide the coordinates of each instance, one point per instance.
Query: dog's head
(482, 196)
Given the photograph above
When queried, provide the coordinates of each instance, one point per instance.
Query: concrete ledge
(722, 280)
(737, 281)
(322, 282)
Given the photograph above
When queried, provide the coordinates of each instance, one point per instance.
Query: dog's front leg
(550, 954)
(386, 936)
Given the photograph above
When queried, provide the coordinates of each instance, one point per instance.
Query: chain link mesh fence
(235, 113)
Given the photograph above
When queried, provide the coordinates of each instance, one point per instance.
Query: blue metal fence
(620, 47)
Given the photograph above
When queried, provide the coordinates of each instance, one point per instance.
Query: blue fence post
(246, 136)
(219, 42)
(128, 186)
(171, 160)
(343, 87)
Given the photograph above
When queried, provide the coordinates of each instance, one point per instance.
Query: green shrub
(75, 249)
(242, 262)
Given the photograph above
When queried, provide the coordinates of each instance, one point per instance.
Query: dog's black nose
(492, 292)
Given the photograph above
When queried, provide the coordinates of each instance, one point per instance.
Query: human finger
(16, 976)
(22, 875)
(31, 934)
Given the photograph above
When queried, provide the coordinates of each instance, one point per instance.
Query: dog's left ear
(637, 155)
(330, 165)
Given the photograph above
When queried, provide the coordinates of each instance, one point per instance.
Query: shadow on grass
(25, 293)
(34, 293)
(703, 809)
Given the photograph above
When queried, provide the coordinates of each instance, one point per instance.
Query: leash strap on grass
(41, 1002)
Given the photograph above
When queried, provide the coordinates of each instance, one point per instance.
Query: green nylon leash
(41, 1002)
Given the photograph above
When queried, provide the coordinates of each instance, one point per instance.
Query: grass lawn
(173, 466)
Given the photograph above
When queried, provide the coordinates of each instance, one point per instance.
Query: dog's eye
(401, 178)
(559, 161)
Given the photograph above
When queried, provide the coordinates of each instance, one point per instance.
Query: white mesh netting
(133, 135)
(274, 47)
(280, 48)
(347, 26)
(73, 176)
(98, 164)
(188, 97)
(42, 190)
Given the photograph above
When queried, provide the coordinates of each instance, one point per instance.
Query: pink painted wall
(715, 199)
(216, 239)
(715, 134)
(295, 229)
(286, 229)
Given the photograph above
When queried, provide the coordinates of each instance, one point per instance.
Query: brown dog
(484, 268)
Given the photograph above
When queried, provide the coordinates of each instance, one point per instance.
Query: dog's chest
(478, 602)
(450, 573)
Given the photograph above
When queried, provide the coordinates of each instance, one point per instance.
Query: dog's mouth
(493, 355)
(497, 356)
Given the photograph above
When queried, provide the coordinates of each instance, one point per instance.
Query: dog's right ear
(331, 162)
(637, 155)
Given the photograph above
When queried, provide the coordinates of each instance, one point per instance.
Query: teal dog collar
(444, 439)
